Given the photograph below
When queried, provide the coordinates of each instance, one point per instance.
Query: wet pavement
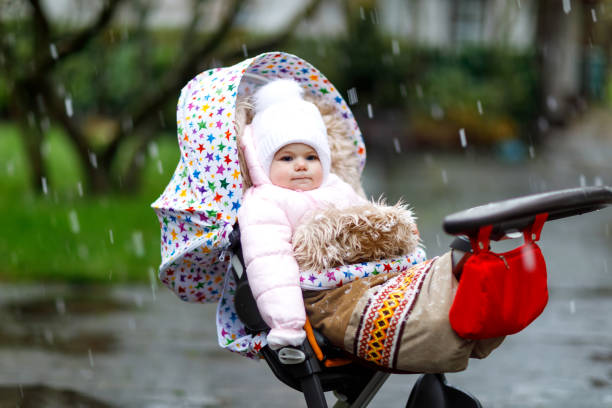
(139, 346)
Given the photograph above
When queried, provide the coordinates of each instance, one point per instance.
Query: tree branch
(177, 77)
(80, 40)
(184, 72)
(77, 42)
(41, 22)
(6, 54)
(57, 111)
(280, 37)
(174, 79)
(190, 30)
(42, 35)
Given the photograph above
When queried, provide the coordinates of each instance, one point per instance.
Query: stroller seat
(356, 384)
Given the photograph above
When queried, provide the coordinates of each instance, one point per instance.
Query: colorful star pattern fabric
(198, 209)
(231, 333)
(336, 277)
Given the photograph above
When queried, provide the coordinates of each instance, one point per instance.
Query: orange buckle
(331, 362)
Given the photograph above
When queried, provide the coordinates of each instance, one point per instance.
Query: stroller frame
(197, 213)
(356, 384)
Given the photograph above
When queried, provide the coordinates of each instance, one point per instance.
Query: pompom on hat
(283, 117)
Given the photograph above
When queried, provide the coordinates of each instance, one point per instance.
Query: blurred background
(461, 102)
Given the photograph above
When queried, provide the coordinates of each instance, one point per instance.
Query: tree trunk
(559, 39)
(131, 180)
(29, 118)
(33, 137)
(98, 177)
(34, 81)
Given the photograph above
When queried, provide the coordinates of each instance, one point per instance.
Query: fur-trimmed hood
(257, 174)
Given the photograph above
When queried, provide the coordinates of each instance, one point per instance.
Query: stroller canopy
(198, 209)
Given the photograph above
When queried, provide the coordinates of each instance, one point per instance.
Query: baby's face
(296, 167)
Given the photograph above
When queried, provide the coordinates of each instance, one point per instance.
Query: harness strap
(327, 362)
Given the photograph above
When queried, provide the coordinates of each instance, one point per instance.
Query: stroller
(200, 239)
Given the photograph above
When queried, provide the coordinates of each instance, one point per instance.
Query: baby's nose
(300, 164)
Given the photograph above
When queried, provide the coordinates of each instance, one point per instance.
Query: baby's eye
(285, 158)
(312, 157)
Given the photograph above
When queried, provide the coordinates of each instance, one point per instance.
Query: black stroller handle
(518, 213)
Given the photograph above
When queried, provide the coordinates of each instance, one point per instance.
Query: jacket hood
(256, 171)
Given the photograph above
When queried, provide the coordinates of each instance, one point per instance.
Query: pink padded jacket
(268, 217)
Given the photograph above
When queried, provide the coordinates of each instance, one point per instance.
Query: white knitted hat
(282, 117)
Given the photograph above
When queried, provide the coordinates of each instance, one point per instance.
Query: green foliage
(503, 83)
(114, 70)
(117, 69)
(419, 79)
(123, 64)
(62, 236)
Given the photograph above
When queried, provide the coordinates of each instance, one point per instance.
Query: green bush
(117, 69)
(122, 65)
(448, 81)
(63, 236)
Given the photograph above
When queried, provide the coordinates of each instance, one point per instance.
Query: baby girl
(397, 319)
(287, 151)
